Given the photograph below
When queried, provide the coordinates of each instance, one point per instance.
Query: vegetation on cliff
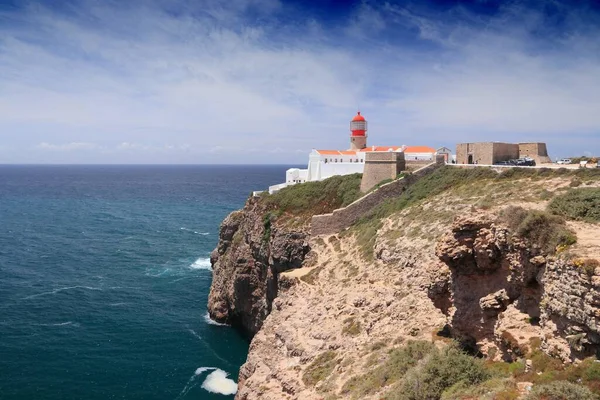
(578, 204)
(359, 321)
(486, 188)
(420, 370)
(304, 200)
(545, 231)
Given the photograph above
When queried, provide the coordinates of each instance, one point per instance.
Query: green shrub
(575, 182)
(539, 228)
(579, 204)
(266, 227)
(311, 198)
(561, 390)
(493, 389)
(542, 362)
(351, 327)
(441, 370)
(438, 181)
(392, 370)
(546, 194)
(320, 368)
(586, 372)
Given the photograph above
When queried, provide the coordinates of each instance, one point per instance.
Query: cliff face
(502, 292)
(326, 312)
(251, 252)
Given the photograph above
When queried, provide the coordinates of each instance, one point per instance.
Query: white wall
(340, 168)
(296, 175)
(418, 156)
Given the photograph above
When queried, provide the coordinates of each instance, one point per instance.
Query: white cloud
(73, 146)
(209, 81)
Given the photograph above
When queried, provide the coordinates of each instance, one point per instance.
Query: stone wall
(537, 151)
(412, 165)
(380, 166)
(504, 152)
(486, 153)
(342, 218)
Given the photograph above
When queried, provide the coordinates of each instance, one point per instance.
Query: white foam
(196, 232)
(202, 263)
(218, 382)
(209, 321)
(191, 383)
(203, 369)
(165, 271)
(193, 332)
(75, 324)
(124, 287)
(60, 290)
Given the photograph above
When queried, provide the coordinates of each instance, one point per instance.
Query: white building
(323, 164)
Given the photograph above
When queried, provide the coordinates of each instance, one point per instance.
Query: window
(361, 160)
(336, 160)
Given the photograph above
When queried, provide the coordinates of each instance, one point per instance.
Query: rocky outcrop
(253, 250)
(501, 292)
(446, 266)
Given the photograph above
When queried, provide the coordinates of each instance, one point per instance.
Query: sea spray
(201, 263)
(218, 382)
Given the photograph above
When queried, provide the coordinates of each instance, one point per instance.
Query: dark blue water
(104, 277)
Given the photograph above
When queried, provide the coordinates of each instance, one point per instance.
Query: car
(504, 163)
(524, 162)
(564, 161)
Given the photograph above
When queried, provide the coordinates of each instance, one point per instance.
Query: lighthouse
(358, 132)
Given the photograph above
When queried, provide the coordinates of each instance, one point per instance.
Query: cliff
(267, 237)
(247, 262)
(488, 260)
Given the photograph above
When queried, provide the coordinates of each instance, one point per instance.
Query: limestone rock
(246, 266)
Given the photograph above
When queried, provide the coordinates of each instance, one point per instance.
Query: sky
(265, 81)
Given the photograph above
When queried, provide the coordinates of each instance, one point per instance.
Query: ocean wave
(74, 324)
(125, 287)
(195, 232)
(165, 271)
(201, 263)
(193, 332)
(218, 382)
(209, 321)
(192, 381)
(60, 290)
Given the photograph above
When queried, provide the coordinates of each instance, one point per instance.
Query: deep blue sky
(255, 81)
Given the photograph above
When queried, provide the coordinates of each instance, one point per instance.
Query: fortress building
(489, 153)
(323, 164)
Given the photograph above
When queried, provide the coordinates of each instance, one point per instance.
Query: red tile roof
(419, 149)
(329, 152)
(408, 149)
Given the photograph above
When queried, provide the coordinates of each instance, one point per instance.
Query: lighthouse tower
(358, 135)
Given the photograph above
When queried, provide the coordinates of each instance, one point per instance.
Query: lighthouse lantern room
(358, 129)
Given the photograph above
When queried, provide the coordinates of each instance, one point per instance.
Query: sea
(104, 279)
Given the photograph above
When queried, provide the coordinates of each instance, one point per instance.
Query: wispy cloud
(73, 146)
(188, 81)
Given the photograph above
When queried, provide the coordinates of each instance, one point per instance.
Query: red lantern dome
(358, 125)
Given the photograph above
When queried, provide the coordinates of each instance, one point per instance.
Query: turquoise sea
(104, 277)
